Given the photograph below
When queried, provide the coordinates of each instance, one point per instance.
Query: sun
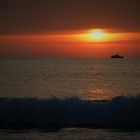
(97, 35)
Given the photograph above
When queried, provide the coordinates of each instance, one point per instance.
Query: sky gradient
(58, 28)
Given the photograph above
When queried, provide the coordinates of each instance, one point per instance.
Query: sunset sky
(69, 28)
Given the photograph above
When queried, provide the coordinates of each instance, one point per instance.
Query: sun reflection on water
(99, 94)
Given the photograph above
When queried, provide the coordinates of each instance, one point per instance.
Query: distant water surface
(83, 78)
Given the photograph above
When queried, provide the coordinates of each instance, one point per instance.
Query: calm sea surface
(83, 78)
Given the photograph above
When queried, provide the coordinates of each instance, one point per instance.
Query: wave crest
(72, 111)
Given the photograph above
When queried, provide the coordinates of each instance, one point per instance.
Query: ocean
(90, 79)
(70, 134)
(64, 91)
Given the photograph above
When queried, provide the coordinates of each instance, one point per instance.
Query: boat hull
(117, 57)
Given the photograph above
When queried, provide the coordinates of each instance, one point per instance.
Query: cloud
(42, 16)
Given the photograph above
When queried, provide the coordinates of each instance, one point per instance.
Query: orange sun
(97, 35)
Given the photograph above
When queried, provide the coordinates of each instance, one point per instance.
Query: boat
(116, 56)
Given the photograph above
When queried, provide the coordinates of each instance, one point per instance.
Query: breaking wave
(70, 112)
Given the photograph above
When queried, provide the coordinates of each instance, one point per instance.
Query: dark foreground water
(71, 134)
(70, 119)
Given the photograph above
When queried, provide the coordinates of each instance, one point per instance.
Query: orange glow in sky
(92, 35)
(85, 43)
(95, 36)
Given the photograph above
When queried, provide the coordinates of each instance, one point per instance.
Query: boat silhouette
(116, 56)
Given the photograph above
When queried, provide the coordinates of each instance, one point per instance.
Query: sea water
(90, 79)
(70, 134)
(87, 79)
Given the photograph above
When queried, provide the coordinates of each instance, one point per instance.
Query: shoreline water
(71, 134)
(120, 112)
